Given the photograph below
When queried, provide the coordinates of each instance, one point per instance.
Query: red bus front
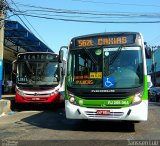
(38, 96)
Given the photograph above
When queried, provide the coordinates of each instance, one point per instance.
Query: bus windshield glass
(37, 73)
(114, 67)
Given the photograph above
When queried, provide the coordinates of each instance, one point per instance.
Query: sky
(57, 33)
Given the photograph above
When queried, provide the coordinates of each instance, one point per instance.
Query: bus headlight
(72, 98)
(20, 92)
(137, 98)
(54, 92)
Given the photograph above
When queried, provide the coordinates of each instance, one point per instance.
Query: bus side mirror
(61, 56)
(149, 81)
(61, 53)
(148, 52)
(62, 71)
(14, 67)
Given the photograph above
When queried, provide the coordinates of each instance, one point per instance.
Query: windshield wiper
(90, 55)
(115, 55)
(28, 65)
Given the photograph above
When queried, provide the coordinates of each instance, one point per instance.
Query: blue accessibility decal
(108, 82)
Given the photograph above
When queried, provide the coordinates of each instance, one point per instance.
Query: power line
(108, 17)
(91, 16)
(68, 15)
(85, 12)
(94, 13)
(28, 23)
(155, 39)
(148, 15)
(158, 37)
(107, 3)
(89, 21)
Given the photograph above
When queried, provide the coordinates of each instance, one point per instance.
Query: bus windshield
(114, 67)
(37, 73)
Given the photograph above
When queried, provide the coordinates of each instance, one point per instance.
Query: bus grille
(112, 115)
(31, 94)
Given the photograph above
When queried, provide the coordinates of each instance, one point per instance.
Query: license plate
(35, 98)
(103, 112)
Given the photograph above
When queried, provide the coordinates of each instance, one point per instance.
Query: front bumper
(133, 113)
(40, 99)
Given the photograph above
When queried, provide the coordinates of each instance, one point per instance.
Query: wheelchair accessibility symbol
(108, 82)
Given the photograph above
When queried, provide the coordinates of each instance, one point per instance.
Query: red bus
(39, 77)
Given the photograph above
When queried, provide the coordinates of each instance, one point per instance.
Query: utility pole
(2, 16)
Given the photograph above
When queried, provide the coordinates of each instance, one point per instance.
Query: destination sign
(104, 40)
(37, 57)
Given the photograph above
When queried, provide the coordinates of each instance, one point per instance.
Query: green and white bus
(106, 77)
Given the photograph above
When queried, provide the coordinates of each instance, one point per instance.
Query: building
(154, 70)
